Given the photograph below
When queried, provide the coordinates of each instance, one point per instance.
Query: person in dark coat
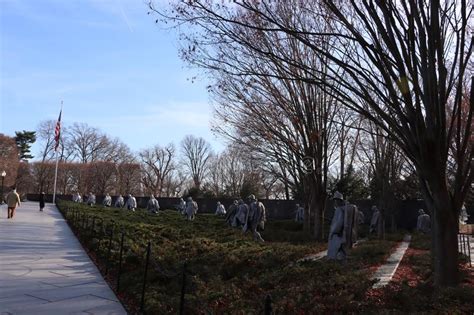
(41, 201)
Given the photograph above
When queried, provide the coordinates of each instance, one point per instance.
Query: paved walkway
(321, 255)
(385, 272)
(44, 269)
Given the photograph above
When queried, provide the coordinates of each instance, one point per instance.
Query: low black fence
(106, 243)
(464, 246)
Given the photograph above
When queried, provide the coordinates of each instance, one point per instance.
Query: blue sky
(112, 65)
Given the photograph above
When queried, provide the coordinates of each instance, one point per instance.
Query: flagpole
(55, 176)
(57, 162)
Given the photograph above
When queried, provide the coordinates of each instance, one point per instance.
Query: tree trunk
(444, 230)
(319, 205)
(445, 241)
(393, 225)
(308, 209)
(381, 224)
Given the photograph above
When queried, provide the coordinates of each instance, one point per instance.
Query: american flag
(57, 131)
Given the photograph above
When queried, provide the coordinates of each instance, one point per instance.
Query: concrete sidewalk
(44, 269)
(386, 271)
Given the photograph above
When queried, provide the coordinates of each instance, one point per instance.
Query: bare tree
(71, 178)
(129, 179)
(87, 143)
(101, 176)
(117, 152)
(24, 181)
(45, 134)
(384, 163)
(196, 153)
(398, 63)
(234, 171)
(175, 184)
(235, 174)
(216, 179)
(287, 122)
(157, 167)
(43, 175)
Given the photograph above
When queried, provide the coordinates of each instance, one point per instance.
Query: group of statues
(90, 200)
(250, 216)
(343, 231)
(188, 208)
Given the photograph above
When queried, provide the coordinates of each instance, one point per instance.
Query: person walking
(13, 200)
(41, 201)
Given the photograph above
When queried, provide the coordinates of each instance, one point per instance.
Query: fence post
(88, 232)
(109, 250)
(93, 227)
(459, 242)
(469, 251)
(79, 219)
(464, 251)
(120, 262)
(98, 235)
(268, 305)
(183, 290)
(148, 250)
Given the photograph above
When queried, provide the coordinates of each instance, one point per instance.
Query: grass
(227, 272)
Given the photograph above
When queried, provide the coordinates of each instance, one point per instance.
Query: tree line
(92, 161)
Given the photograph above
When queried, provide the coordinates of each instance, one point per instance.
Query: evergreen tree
(24, 140)
(352, 185)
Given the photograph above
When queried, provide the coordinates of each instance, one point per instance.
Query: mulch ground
(407, 276)
(405, 271)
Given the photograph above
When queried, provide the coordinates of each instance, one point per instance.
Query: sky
(112, 66)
